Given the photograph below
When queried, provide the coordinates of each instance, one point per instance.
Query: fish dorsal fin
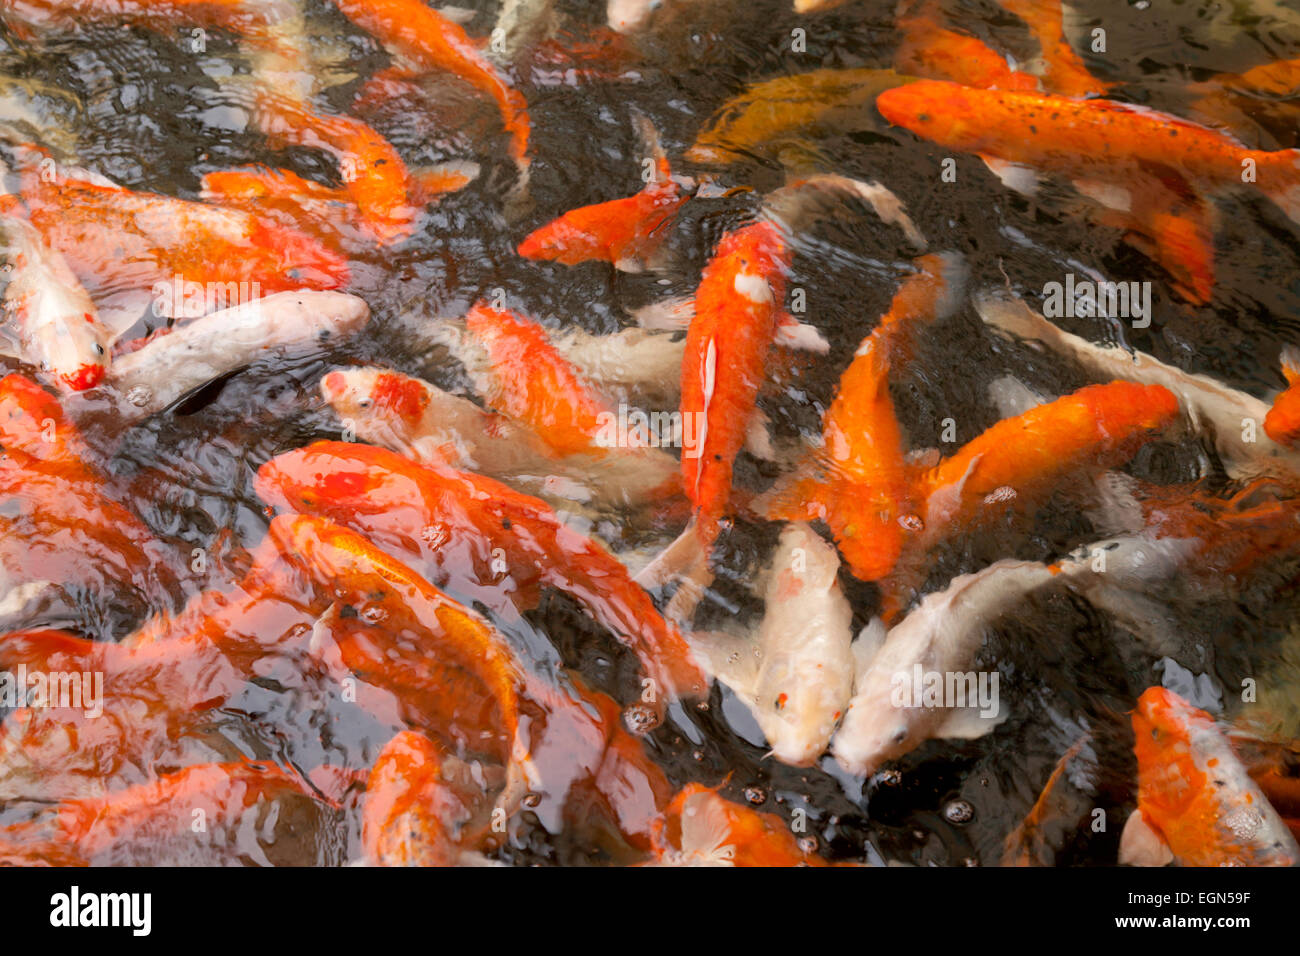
(1290, 361)
(793, 334)
(870, 639)
(1015, 176)
(969, 723)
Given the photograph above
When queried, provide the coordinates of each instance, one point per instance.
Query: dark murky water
(153, 115)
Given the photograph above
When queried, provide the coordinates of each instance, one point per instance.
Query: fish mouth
(85, 377)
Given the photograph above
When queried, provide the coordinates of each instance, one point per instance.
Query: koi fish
(50, 317)
(421, 421)
(796, 675)
(859, 484)
(782, 115)
(28, 17)
(534, 384)
(1282, 423)
(1135, 160)
(170, 366)
(424, 41)
(1197, 805)
(931, 51)
(700, 828)
(1088, 431)
(33, 422)
(637, 366)
(889, 716)
(375, 178)
(118, 240)
(83, 830)
(1084, 137)
(626, 232)
(475, 522)
(1065, 72)
(413, 815)
(1231, 417)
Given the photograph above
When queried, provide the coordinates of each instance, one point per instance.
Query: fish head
(374, 394)
(335, 479)
(933, 109)
(557, 241)
(799, 711)
(875, 730)
(74, 348)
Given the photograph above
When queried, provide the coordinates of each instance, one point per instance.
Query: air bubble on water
(374, 615)
(640, 719)
(532, 800)
(756, 795)
(958, 811)
(808, 844)
(697, 756)
(139, 395)
(911, 523)
(890, 778)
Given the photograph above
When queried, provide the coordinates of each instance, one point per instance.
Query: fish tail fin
(1013, 317)
(798, 204)
(648, 137)
(798, 495)
(1279, 177)
(684, 562)
(431, 182)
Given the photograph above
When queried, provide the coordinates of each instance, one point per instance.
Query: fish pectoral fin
(1141, 845)
(793, 334)
(758, 439)
(796, 496)
(869, 641)
(968, 723)
(666, 315)
(1109, 194)
(1015, 176)
(1012, 397)
(728, 658)
(458, 15)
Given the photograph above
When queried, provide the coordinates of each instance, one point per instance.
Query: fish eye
(99, 349)
(901, 735)
(364, 403)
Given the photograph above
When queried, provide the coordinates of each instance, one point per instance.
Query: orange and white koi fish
(51, 319)
(1282, 423)
(475, 527)
(860, 483)
(170, 366)
(1197, 805)
(796, 674)
(120, 241)
(82, 831)
(1064, 71)
(424, 40)
(893, 710)
(414, 812)
(934, 52)
(421, 421)
(700, 828)
(626, 232)
(1233, 418)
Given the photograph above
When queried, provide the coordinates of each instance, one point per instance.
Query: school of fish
(483, 594)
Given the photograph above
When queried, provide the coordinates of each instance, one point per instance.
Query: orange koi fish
(1282, 423)
(1196, 806)
(535, 384)
(931, 51)
(119, 240)
(452, 521)
(626, 232)
(413, 814)
(428, 41)
(26, 17)
(33, 422)
(1065, 72)
(82, 830)
(375, 178)
(1097, 140)
(861, 485)
(700, 828)
(51, 317)
(1089, 431)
